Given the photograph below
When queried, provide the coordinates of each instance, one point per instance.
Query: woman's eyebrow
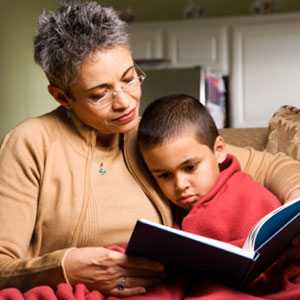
(127, 70)
(102, 85)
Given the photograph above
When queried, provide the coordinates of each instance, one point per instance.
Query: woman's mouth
(126, 118)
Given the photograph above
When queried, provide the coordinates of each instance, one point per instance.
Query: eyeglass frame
(141, 76)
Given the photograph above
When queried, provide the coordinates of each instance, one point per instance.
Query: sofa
(281, 135)
(243, 137)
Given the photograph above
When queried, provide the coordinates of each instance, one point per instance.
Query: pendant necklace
(102, 170)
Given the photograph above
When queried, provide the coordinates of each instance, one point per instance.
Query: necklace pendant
(102, 170)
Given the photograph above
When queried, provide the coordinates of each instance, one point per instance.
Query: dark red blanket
(80, 292)
(280, 282)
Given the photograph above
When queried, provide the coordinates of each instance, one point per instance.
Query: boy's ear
(219, 149)
(59, 95)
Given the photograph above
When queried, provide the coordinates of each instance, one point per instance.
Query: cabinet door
(194, 43)
(147, 42)
(265, 71)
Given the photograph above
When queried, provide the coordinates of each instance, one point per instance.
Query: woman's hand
(111, 272)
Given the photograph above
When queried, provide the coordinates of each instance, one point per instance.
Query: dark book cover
(183, 252)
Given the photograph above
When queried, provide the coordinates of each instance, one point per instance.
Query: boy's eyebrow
(187, 161)
(157, 171)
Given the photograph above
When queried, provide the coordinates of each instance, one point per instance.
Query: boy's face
(184, 168)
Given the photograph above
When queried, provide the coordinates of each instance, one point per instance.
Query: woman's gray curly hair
(71, 33)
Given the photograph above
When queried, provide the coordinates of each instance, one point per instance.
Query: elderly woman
(71, 183)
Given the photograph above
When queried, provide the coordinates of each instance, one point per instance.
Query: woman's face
(104, 72)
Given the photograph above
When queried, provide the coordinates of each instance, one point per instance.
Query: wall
(23, 87)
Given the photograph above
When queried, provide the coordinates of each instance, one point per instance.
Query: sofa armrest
(242, 137)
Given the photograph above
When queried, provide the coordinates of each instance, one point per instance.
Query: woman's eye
(129, 79)
(97, 97)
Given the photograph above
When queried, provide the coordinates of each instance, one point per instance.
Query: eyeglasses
(128, 87)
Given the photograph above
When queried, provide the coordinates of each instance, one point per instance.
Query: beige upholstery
(253, 137)
(282, 134)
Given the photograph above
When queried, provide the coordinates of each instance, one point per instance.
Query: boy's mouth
(188, 200)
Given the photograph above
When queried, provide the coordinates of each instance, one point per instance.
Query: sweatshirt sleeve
(279, 173)
(22, 157)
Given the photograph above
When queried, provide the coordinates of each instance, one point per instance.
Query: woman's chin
(128, 126)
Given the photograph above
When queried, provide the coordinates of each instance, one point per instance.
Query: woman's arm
(21, 165)
(277, 172)
(24, 260)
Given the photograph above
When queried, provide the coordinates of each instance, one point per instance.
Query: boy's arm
(277, 172)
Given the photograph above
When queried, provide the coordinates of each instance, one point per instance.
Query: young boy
(187, 157)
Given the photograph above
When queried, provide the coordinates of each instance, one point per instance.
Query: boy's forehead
(174, 150)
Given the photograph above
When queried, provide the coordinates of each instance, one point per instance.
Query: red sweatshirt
(232, 207)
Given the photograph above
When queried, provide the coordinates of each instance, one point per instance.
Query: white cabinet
(147, 42)
(265, 71)
(191, 44)
(181, 44)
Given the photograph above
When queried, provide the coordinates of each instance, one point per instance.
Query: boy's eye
(164, 175)
(190, 168)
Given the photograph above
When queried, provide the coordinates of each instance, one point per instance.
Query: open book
(183, 251)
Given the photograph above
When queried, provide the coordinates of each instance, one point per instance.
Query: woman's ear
(59, 95)
(219, 149)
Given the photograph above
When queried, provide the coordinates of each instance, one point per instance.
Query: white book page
(203, 239)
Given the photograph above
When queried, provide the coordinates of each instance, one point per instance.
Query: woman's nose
(120, 100)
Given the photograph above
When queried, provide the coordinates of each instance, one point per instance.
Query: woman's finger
(138, 262)
(128, 286)
(127, 292)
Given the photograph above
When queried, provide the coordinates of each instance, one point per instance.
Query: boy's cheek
(167, 190)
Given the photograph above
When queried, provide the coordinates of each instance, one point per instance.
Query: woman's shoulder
(34, 129)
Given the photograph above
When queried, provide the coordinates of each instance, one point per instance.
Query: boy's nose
(182, 182)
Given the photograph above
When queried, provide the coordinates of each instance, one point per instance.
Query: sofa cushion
(246, 137)
(284, 131)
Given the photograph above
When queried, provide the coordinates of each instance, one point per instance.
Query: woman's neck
(108, 141)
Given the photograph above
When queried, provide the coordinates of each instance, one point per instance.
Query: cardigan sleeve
(279, 173)
(22, 157)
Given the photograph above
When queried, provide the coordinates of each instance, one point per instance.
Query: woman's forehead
(104, 66)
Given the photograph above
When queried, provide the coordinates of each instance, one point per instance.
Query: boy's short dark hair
(168, 116)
